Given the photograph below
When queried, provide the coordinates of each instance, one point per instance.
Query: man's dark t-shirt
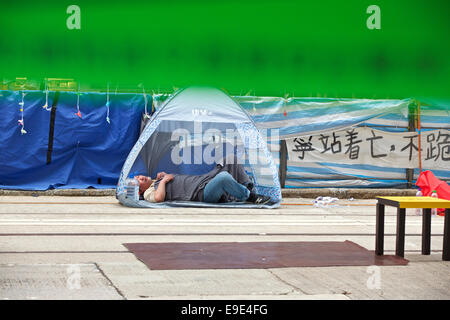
(190, 187)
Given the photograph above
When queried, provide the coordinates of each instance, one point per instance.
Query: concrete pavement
(69, 247)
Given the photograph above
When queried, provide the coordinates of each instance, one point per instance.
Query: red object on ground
(257, 255)
(427, 182)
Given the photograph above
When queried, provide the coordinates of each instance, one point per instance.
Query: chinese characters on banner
(374, 147)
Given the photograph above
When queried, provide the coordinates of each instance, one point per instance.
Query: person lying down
(225, 183)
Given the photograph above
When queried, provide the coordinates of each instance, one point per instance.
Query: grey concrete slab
(233, 229)
(136, 281)
(91, 230)
(67, 258)
(418, 280)
(55, 282)
(44, 244)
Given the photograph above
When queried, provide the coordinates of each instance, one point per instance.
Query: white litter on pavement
(324, 202)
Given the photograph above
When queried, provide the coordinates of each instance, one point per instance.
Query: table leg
(446, 248)
(426, 231)
(379, 230)
(400, 241)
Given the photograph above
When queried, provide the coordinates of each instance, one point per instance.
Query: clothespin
(78, 113)
(146, 115)
(45, 106)
(107, 105)
(285, 102)
(21, 123)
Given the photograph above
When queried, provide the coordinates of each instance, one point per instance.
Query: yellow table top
(415, 202)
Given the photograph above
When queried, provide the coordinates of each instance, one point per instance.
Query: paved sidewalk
(71, 248)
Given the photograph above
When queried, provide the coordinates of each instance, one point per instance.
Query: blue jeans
(221, 183)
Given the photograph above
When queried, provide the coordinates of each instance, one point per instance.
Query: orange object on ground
(428, 182)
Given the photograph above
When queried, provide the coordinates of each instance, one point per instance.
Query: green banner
(353, 48)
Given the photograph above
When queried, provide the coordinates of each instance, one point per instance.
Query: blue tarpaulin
(87, 151)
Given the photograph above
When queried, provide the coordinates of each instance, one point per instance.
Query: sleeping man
(225, 183)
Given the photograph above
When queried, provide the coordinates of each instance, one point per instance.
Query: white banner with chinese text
(362, 145)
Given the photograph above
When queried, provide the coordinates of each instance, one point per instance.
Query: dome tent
(192, 132)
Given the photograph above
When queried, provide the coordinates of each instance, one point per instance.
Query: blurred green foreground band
(264, 48)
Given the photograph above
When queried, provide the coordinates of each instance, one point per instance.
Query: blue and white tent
(190, 133)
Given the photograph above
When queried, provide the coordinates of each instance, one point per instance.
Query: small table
(401, 203)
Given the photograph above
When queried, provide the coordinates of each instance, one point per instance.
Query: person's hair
(141, 192)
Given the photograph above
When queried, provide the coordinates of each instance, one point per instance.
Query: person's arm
(160, 193)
